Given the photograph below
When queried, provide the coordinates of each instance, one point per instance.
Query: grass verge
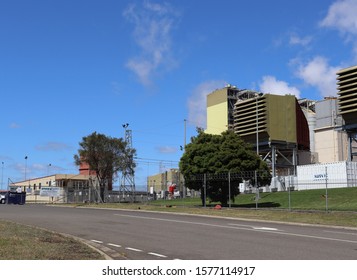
(338, 208)
(336, 218)
(19, 242)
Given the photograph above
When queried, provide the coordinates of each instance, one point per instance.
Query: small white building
(332, 175)
(57, 188)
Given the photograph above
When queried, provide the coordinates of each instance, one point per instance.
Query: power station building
(347, 104)
(287, 132)
(276, 126)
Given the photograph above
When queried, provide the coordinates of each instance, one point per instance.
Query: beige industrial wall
(161, 181)
(217, 118)
(217, 112)
(331, 145)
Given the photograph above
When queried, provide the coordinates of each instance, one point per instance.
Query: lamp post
(48, 169)
(257, 123)
(2, 174)
(257, 119)
(125, 126)
(25, 166)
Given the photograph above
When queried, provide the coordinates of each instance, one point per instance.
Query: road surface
(145, 235)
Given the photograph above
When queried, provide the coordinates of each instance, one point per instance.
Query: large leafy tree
(106, 156)
(221, 154)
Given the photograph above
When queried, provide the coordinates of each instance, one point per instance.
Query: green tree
(221, 154)
(106, 156)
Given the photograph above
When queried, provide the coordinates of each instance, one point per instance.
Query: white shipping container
(332, 175)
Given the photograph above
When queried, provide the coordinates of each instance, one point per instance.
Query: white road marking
(133, 249)
(97, 241)
(252, 227)
(265, 228)
(114, 245)
(157, 255)
(238, 228)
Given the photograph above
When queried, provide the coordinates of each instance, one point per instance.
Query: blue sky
(69, 68)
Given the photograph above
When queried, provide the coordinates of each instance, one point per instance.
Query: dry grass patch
(19, 242)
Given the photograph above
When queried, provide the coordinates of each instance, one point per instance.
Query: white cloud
(318, 73)
(197, 102)
(271, 85)
(153, 25)
(342, 16)
(301, 41)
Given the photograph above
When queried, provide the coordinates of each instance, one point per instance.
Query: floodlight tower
(127, 186)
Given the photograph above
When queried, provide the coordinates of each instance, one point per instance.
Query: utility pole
(184, 139)
(2, 175)
(184, 146)
(25, 166)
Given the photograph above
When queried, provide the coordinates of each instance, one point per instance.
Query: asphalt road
(144, 235)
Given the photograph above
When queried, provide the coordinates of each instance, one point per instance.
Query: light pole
(25, 166)
(48, 169)
(257, 119)
(125, 126)
(2, 174)
(184, 139)
(184, 146)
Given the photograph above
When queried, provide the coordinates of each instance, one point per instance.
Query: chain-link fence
(320, 190)
(322, 181)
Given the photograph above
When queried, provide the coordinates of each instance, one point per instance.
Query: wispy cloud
(196, 102)
(53, 146)
(342, 17)
(14, 125)
(300, 41)
(153, 26)
(167, 149)
(317, 71)
(271, 85)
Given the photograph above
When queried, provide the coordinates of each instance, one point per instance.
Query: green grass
(341, 199)
(19, 242)
(306, 207)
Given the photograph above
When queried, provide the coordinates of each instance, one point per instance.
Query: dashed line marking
(97, 241)
(265, 228)
(133, 249)
(114, 245)
(157, 255)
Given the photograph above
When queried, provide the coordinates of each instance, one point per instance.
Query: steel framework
(127, 185)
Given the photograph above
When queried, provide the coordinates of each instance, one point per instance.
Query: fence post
(326, 194)
(289, 189)
(256, 190)
(229, 188)
(204, 189)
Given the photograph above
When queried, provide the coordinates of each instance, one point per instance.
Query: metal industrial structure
(127, 184)
(347, 102)
(308, 107)
(276, 126)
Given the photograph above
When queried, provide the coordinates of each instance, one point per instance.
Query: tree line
(205, 154)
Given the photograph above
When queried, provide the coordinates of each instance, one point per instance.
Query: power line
(156, 161)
